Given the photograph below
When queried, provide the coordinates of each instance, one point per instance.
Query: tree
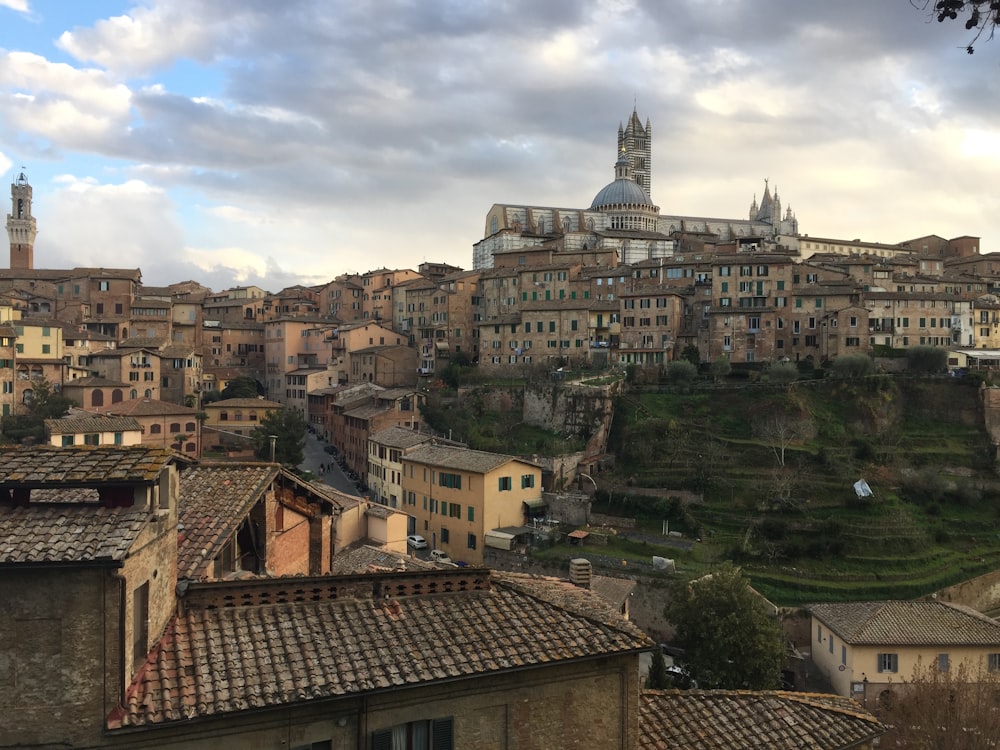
(44, 404)
(289, 428)
(242, 387)
(983, 16)
(729, 639)
(951, 710)
(657, 679)
(781, 423)
(691, 354)
(681, 371)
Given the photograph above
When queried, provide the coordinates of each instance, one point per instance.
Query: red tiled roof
(242, 645)
(214, 499)
(725, 719)
(902, 623)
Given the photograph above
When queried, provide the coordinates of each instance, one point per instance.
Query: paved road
(314, 455)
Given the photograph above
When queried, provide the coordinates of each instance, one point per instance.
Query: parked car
(415, 541)
(330, 449)
(439, 555)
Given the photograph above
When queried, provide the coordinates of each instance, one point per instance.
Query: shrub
(852, 366)
(782, 373)
(681, 371)
(721, 369)
(926, 359)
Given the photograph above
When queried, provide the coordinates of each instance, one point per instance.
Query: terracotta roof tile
(725, 719)
(902, 623)
(460, 458)
(46, 465)
(214, 500)
(76, 425)
(297, 639)
(52, 532)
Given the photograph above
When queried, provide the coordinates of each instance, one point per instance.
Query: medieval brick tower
(21, 229)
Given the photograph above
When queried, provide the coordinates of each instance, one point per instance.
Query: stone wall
(981, 593)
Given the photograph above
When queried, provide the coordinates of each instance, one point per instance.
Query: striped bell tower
(21, 228)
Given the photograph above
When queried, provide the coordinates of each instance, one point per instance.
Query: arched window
(148, 393)
(116, 396)
(224, 416)
(97, 398)
(189, 427)
(253, 416)
(175, 427)
(133, 393)
(154, 429)
(190, 447)
(28, 397)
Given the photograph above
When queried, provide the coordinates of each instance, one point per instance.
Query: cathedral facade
(622, 220)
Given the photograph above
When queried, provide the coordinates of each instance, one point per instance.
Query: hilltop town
(173, 590)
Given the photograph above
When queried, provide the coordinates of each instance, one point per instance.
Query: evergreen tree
(729, 639)
(288, 427)
(658, 679)
(241, 387)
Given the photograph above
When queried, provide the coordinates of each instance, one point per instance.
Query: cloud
(21, 6)
(244, 139)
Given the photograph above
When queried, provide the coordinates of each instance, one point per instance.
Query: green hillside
(776, 467)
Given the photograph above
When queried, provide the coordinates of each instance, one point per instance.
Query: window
(154, 429)
(831, 643)
(471, 542)
(450, 480)
(92, 439)
(888, 662)
(504, 484)
(527, 480)
(943, 662)
(444, 535)
(843, 655)
(67, 440)
(436, 734)
(472, 514)
(455, 510)
(993, 662)
(819, 634)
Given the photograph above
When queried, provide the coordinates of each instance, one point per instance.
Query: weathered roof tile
(334, 636)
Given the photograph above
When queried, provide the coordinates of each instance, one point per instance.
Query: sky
(238, 142)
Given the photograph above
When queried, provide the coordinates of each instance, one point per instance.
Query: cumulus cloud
(244, 141)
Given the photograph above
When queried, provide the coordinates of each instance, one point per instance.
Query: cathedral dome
(624, 191)
(621, 191)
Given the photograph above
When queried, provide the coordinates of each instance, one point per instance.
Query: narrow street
(314, 454)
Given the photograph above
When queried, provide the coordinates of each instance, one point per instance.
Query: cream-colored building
(456, 495)
(866, 648)
(93, 430)
(386, 449)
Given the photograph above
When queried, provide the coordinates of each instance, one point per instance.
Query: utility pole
(273, 439)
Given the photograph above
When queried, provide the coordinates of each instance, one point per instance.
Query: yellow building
(232, 420)
(864, 648)
(456, 495)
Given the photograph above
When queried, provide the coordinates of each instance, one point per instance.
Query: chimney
(580, 572)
